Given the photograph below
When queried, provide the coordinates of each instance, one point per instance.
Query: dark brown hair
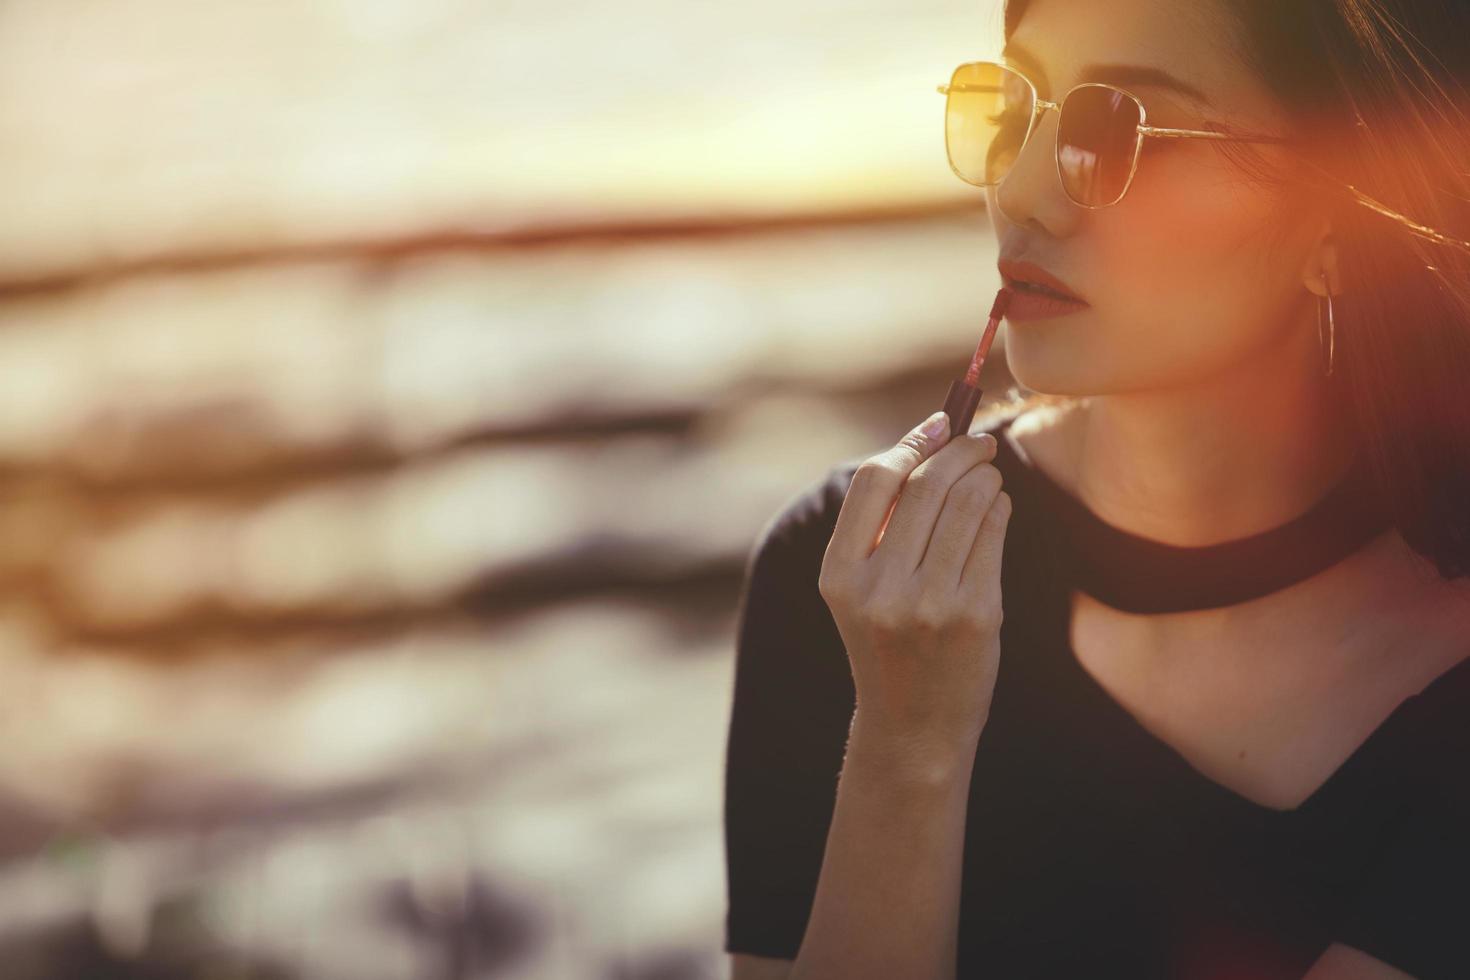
(1378, 92)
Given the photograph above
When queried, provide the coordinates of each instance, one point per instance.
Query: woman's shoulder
(1440, 723)
(1415, 757)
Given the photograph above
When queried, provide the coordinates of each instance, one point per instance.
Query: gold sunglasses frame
(1040, 105)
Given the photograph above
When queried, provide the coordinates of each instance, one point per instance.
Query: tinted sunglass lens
(1097, 139)
(987, 117)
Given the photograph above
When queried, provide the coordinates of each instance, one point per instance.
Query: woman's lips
(1029, 304)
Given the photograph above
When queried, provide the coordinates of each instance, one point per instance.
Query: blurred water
(390, 394)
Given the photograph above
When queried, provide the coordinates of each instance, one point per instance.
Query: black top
(1093, 849)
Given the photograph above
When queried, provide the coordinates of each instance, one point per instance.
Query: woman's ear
(1320, 275)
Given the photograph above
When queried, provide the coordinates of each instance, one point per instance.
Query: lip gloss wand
(964, 394)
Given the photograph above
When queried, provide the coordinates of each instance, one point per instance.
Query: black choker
(1140, 575)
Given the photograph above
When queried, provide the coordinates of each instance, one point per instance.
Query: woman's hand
(914, 588)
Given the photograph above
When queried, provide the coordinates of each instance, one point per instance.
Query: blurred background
(391, 392)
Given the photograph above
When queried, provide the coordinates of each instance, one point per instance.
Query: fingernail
(935, 425)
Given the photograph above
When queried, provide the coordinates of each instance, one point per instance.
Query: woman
(1190, 696)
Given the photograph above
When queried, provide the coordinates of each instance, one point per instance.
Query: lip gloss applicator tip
(964, 394)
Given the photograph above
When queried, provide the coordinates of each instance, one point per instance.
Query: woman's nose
(1031, 191)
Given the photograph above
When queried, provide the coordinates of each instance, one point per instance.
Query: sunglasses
(991, 110)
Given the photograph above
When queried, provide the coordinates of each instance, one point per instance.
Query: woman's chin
(1049, 368)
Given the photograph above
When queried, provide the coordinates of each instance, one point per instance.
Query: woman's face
(1197, 269)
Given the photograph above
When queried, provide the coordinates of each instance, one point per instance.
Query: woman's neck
(1198, 465)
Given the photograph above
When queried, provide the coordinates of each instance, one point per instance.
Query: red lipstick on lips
(964, 394)
(1037, 306)
(1039, 294)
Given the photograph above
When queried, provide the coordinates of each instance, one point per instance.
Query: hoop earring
(1330, 342)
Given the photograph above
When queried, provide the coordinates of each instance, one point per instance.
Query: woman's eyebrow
(1116, 74)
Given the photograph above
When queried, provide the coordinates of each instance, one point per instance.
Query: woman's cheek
(1184, 246)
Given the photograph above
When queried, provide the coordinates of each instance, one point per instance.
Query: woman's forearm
(887, 899)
